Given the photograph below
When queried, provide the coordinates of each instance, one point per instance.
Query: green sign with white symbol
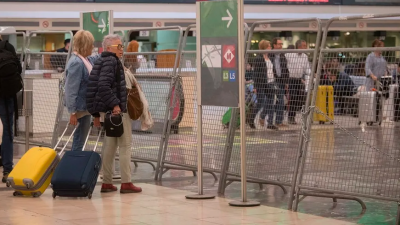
(98, 23)
(219, 19)
(218, 47)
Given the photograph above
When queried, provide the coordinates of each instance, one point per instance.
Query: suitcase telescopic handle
(98, 138)
(69, 138)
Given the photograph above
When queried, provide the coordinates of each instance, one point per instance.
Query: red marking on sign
(229, 56)
(45, 24)
(158, 24)
(361, 24)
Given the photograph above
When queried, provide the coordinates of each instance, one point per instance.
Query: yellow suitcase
(325, 103)
(33, 172)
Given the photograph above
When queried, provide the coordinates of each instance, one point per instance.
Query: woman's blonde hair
(264, 44)
(83, 43)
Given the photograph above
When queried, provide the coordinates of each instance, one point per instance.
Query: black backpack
(10, 76)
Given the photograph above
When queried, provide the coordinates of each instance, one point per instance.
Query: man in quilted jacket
(107, 92)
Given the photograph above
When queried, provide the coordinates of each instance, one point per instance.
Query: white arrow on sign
(103, 25)
(228, 18)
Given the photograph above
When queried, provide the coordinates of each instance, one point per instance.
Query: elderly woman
(108, 93)
(375, 66)
(77, 70)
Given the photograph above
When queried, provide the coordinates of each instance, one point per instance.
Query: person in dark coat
(264, 85)
(59, 61)
(342, 84)
(8, 115)
(106, 91)
(281, 74)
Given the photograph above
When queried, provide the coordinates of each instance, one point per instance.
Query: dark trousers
(296, 96)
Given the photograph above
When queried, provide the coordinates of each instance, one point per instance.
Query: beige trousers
(123, 144)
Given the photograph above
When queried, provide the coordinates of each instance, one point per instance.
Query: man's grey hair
(299, 42)
(110, 38)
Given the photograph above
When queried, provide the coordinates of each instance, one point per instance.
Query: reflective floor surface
(155, 206)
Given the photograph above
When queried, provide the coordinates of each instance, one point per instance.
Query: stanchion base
(244, 204)
(199, 197)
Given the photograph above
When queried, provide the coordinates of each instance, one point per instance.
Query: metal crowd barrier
(180, 151)
(272, 156)
(42, 80)
(367, 164)
(156, 73)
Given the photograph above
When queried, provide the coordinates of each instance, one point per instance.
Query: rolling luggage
(367, 107)
(76, 174)
(325, 103)
(32, 174)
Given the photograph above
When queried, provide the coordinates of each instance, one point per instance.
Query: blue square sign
(232, 75)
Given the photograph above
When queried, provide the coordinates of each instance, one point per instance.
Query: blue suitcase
(77, 172)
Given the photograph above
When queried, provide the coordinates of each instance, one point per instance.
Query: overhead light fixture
(347, 33)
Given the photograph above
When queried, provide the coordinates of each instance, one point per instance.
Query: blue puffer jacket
(101, 93)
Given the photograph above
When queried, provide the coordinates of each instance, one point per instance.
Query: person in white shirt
(264, 84)
(299, 72)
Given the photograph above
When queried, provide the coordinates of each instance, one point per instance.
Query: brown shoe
(129, 188)
(108, 188)
(262, 122)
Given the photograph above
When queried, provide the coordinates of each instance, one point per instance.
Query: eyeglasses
(119, 46)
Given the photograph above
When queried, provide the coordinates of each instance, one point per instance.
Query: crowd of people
(280, 81)
(275, 76)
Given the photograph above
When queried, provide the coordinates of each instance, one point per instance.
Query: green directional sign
(219, 19)
(218, 47)
(100, 24)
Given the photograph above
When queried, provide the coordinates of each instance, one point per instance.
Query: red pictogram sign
(228, 56)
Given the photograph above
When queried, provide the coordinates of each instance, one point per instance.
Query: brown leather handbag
(135, 105)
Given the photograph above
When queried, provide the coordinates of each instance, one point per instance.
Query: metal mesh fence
(153, 72)
(42, 85)
(360, 110)
(181, 151)
(273, 116)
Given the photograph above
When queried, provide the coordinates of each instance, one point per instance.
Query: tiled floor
(155, 206)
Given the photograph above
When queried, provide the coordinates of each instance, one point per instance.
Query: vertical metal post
(398, 214)
(243, 158)
(200, 194)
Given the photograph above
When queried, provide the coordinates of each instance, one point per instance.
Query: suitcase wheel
(8, 184)
(16, 193)
(89, 195)
(54, 195)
